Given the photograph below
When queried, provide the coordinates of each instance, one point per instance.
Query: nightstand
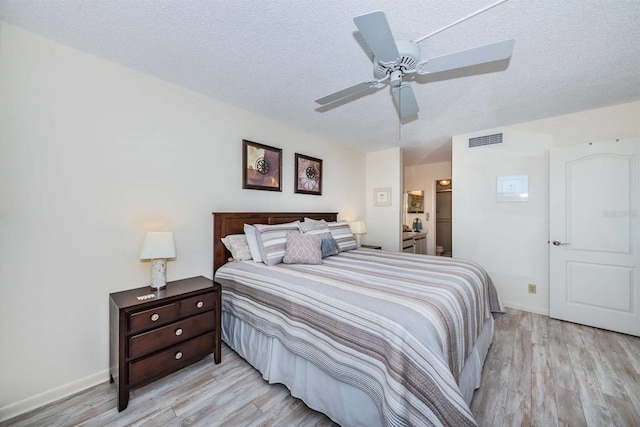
(153, 337)
(371, 247)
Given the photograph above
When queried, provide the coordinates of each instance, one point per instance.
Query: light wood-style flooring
(546, 372)
(539, 372)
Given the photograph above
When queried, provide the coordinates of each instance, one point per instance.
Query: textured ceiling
(276, 57)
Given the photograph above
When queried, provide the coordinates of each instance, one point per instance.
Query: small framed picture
(512, 188)
(261, 167)
(308, 179)
(382, 196)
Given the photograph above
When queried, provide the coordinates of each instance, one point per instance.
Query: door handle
(558, 243)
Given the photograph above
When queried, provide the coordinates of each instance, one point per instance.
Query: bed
(368, 337)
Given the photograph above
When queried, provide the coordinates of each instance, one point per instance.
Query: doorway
(443, 210)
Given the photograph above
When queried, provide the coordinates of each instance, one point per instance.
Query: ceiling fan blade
(405, 100)
(360, 87)
(376, 32)
(465, 58)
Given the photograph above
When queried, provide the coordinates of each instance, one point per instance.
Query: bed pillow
(302, 249)
(329, 246)
(252, 241)
(237, 245)
(341, 232)
(272, 240)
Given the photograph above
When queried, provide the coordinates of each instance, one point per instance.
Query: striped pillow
(272, 240)
(329, 245)
(340, 231)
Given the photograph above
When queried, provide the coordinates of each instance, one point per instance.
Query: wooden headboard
(225, 223)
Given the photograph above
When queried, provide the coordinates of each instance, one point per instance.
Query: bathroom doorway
(443, 213)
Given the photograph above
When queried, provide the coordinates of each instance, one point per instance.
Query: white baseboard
(531, 309)
(31, 403)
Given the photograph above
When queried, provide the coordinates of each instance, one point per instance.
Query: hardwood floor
(539, 372)
(546, 372)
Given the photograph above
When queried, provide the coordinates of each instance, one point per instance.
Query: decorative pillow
(237, 245)
(302, 249)
(341, 232)
(252, 241)
(272, 240)
(329, 245)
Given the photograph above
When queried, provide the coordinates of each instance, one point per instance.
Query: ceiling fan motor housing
(409, 58)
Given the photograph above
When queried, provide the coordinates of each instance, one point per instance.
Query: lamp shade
(158, 244)
(358, 227)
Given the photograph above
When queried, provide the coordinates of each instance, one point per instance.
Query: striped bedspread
(398, 326)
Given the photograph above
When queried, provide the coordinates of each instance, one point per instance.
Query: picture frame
(415, 202)
(308, 175)
(382, 196)
(261, 166)
(512, 189)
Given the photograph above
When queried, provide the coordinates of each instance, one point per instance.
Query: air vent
(480, 141)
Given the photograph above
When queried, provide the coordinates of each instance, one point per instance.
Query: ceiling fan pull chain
(460, 20)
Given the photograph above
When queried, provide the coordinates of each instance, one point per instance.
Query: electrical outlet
(532, 288)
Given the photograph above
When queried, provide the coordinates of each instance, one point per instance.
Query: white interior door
(594, 235)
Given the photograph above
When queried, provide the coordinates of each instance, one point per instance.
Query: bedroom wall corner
(384, 223)
(510, 240)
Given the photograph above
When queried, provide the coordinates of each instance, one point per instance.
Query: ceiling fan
(395, 59)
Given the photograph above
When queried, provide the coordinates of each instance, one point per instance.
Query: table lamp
(358, 228)
(158, 246)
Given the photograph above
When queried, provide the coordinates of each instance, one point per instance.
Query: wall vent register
(481, 141)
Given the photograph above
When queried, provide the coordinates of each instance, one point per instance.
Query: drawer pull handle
(199, 304)
(178, 355)
(154, 317)
(179, 331)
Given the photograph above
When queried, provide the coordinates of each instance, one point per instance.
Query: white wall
(423, 177)
(510, 239)
(93, 155)
(384, 223)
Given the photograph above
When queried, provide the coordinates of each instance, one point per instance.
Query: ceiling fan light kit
(394, 59)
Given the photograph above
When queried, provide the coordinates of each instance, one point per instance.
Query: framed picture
(415, 201)
(308, 179)
(382, 196)
(261, 166)
(512, 188)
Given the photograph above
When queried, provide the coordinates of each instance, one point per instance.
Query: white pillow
(252, 241)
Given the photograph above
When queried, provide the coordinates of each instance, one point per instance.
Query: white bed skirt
(343, 403)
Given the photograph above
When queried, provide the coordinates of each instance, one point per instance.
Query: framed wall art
(382, 196)
(308, 178)
(512, 188)
(261, 166)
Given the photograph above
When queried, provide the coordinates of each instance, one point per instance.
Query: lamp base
(358, 242)
(158, 274)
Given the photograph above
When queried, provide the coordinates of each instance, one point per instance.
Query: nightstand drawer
(197, 304)
(148, 342)
(171, 359)
(153, 317)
